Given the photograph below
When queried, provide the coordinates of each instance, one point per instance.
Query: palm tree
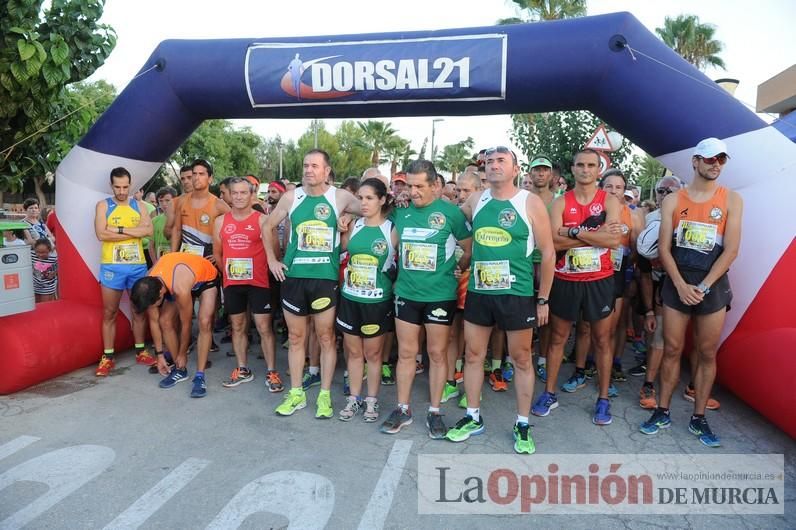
(377, 135)
(538, 10)
(397, 150)
(456, 157)
(692, 40)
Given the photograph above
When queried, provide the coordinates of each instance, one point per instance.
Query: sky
(759, 41)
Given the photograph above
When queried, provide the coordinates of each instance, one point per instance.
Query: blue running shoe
(699, 427)
(310, 380)
(541, 372)
(199, 389)
(544, 404)
(602, 413)
(174, 377)
(574, 383)
(659, 420)
(639, 346)
(612, 391)
(508, 371)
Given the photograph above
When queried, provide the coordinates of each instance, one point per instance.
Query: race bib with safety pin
(240, 269)
(583, 259)
(696, 236)
(492, 275)
(124, 253)
(419, 256)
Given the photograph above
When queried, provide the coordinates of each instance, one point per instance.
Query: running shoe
(371, 412)
(387, 377)
(612, 391)
(646, 398)
(638, 370)
(602, 412)
(591, 370)
(213, 346)
(310, 380)
(689, 394)
(458, 377)
(323, 405)
(544, 404)
(541, 372)
(352, 407)
(465, 428)
(639, 346)
(574, 383)
(497, 382)
(397, 420)
(346, 385)
(436, 427)
(617, 375)
(523, 442)
(449, 392)
(699, 427)
(105, 366)
(199, 389)
(274, 382)
(419, 367)
(145, 358)
(659, 420)
(238, 376)
(174, 377)
(508, 371)
(295, 400)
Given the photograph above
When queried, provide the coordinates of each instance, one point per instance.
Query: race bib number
(315, 238)
(124, 253)
(197, 250)
(696, 236)
(360, 278)
(419, 256)
(240, 269)
(492, 275)
(582, 260)
(617, 254)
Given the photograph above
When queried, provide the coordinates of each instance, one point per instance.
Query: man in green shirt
(507, 224)
(425, 292)
(309, 273)
(158, 244)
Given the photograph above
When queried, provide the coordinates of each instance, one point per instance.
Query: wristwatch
(121, 229)
(541, 301)
(703, 288)
(573, 232)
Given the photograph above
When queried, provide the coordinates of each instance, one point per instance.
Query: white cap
(629, 194)
(710, 147)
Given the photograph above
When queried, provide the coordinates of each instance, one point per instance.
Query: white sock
(475, 414)
(345, 373)
(541, 361)
(522, 419)
(419, 357)
(315, 370)
(435, 410)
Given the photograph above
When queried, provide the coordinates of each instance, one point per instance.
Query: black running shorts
(509, 312)
(365, 320)
(307, 296)
(590, 301)
(719, 297)
(425, 312)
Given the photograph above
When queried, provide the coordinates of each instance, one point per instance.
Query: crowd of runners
(459, 271)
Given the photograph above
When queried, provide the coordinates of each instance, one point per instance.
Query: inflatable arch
(611, 65)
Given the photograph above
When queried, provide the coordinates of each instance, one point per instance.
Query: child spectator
(45, 271)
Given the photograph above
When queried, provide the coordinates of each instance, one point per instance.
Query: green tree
(41, 53)
(326, 141)
(538, 10)
(693, 40)
(398, 152)
(232, 151)
(353, 158)
(647, 172)
(456, 157)
(377, 135)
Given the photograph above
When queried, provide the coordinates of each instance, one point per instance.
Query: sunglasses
(721, 158)
(500, 149)
(663, 191)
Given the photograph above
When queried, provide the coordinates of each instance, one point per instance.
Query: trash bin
(16, 277)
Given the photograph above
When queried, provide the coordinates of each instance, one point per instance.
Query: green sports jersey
(502, 246)
(427, 243)
(162, 245)
(313, 250)
(367, 276)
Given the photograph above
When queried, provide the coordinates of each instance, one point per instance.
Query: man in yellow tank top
(120, 224)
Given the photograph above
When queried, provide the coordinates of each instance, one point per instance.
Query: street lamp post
(280, 162)
(433, 131)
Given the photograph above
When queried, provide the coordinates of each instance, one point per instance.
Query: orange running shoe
(106, 364)
(689, 394)
(646, 398)
(497, 381)
(145, 358)
(458, 377)
(274, 382)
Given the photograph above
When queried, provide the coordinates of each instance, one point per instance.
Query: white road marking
(381, 499)
(306, 499)
(17, 444)
(64, 471)
(158, 495)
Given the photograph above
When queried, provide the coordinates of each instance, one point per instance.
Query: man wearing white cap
(699, 239)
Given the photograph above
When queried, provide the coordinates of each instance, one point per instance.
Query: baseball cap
(399, 177)
(710, 147)
(541, 161)
(629, 194)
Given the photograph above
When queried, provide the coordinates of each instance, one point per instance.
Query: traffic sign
(599, 140)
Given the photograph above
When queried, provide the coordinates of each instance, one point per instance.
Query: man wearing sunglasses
(699, 239)
(586, 225)
(507, 224)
